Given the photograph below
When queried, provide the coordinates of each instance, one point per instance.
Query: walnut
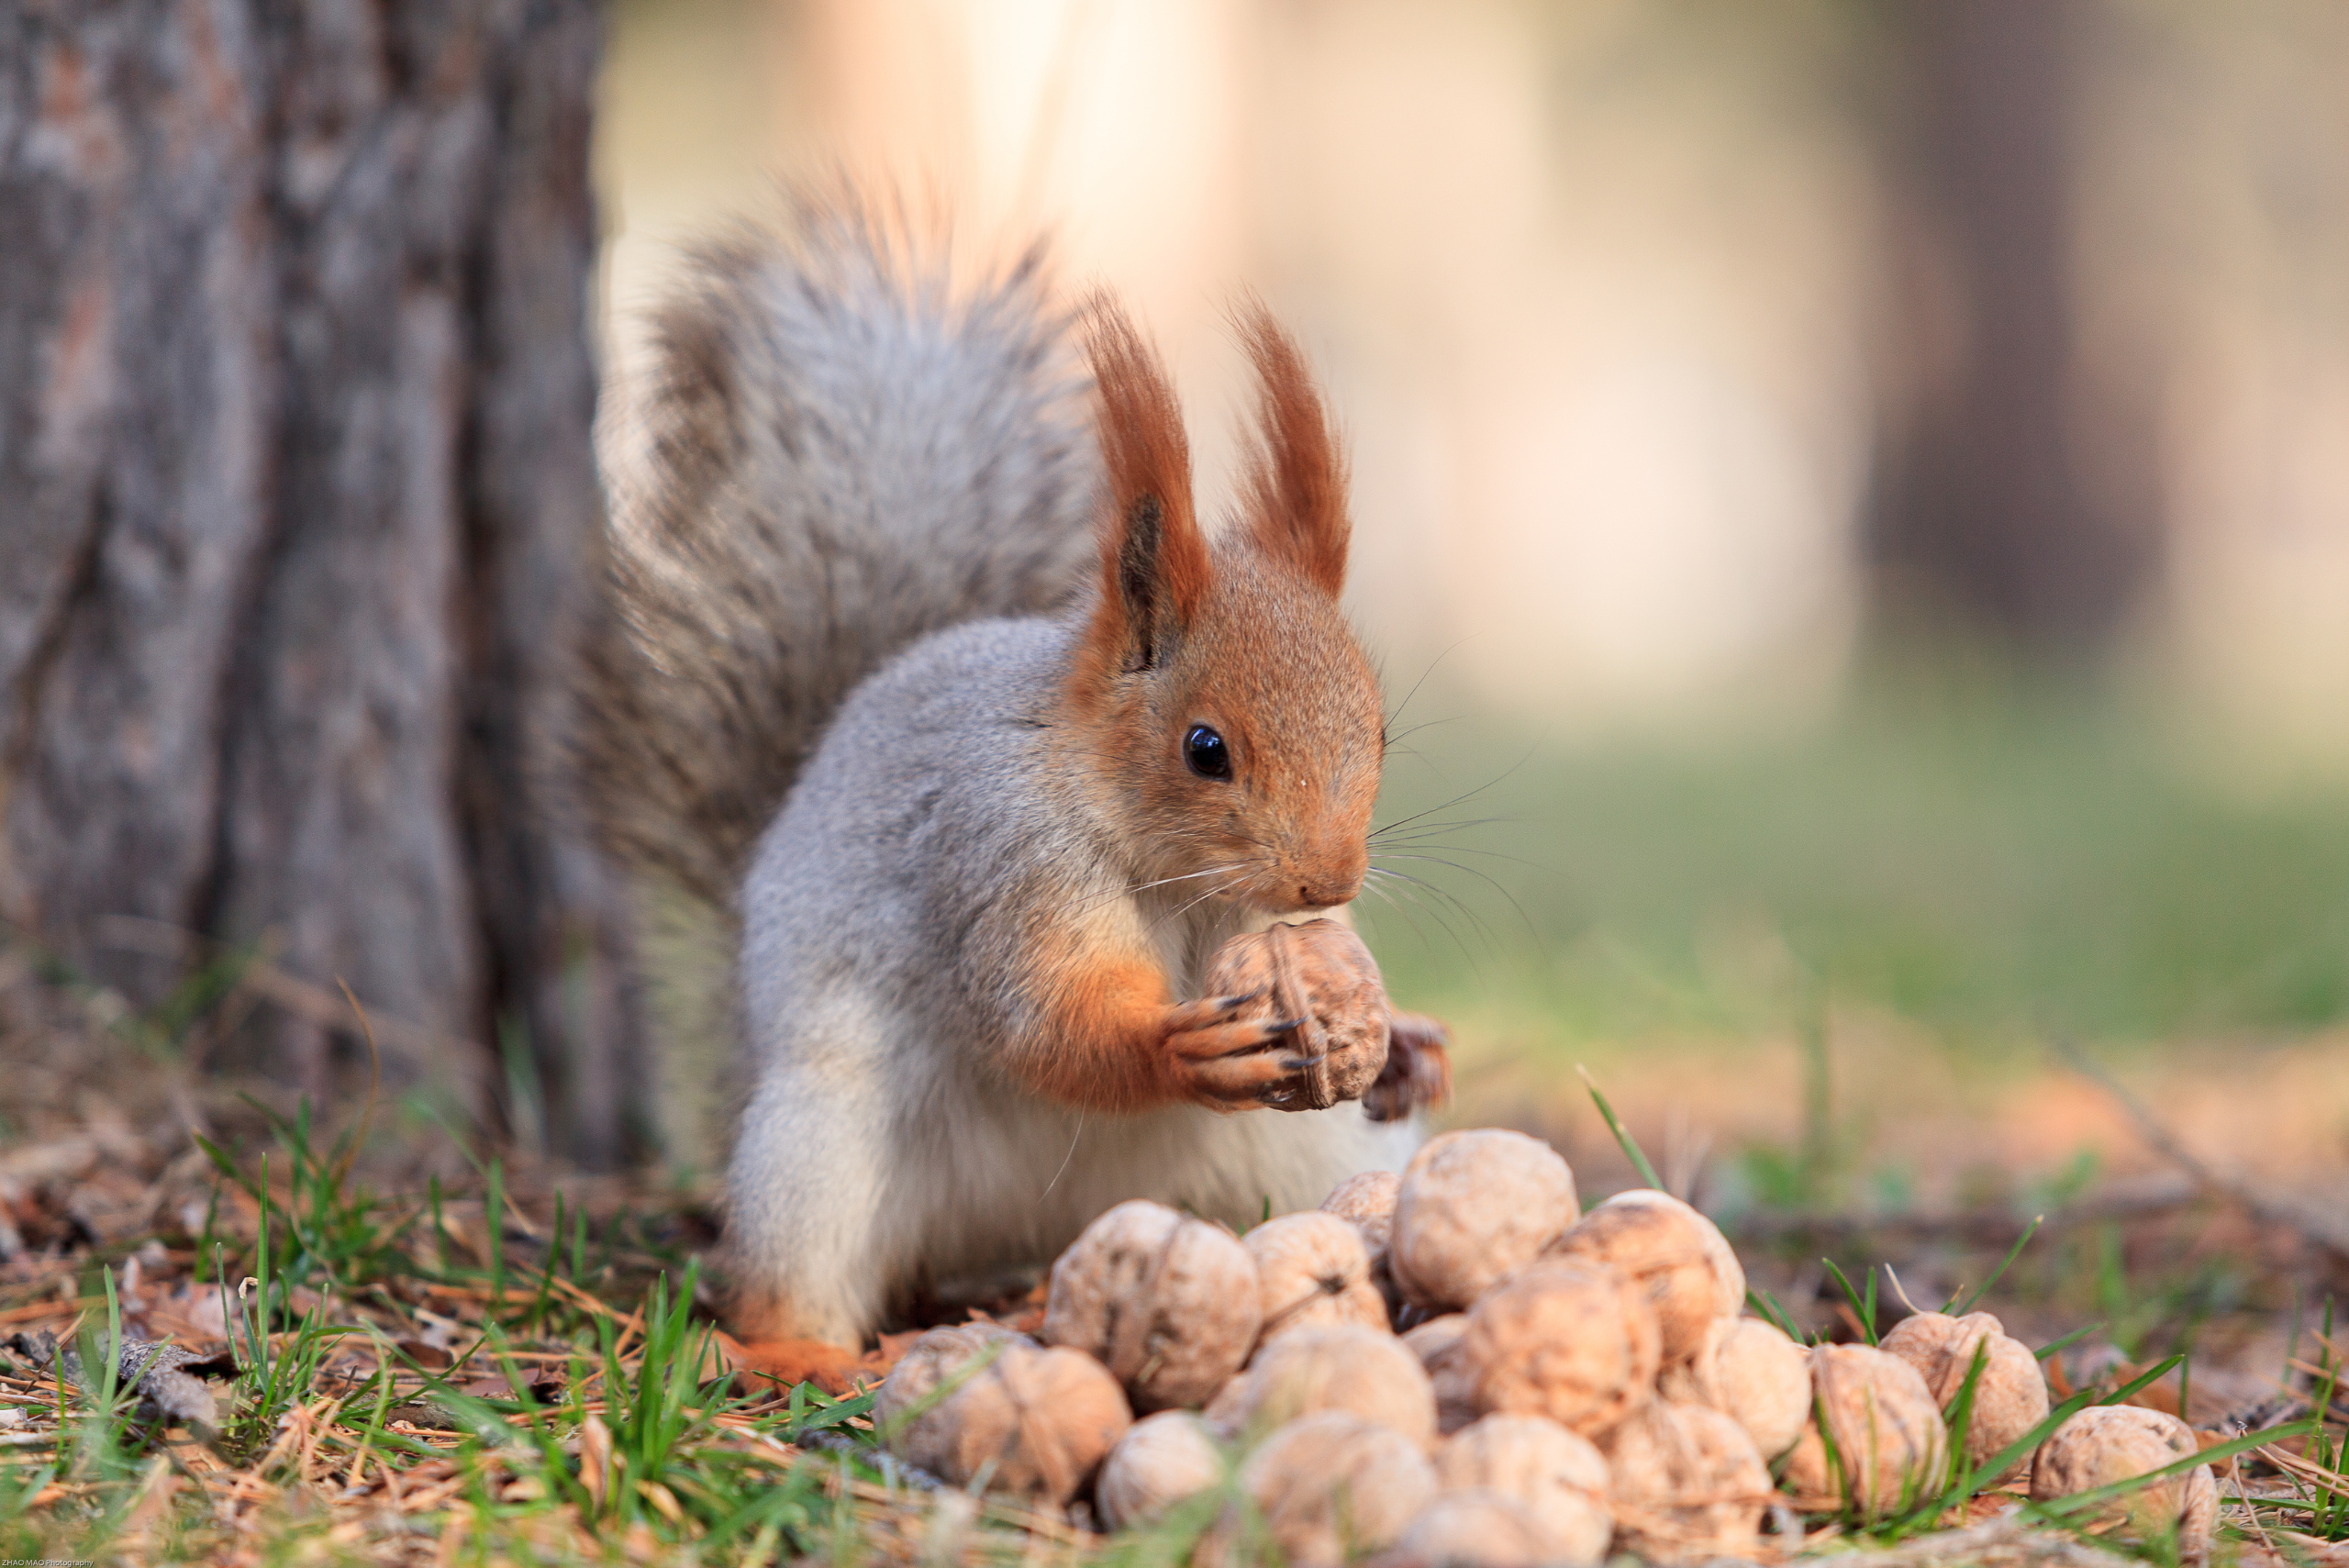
(1366, 1202)
(1687, 1483)
(1168, 1303)
(1363, 1371)
(1566, 1339)
(1753, 1374)
(2107, 1444)
(1473, 1529)
(2010, 1397)
(1313, 1269)
(1037, 1421)
(1329, 1487)
(1319, 974)
(1471, 1207)
(906, 1402)
(1437, 1343)
(1677, 1255)
(1559, 1478)
(1161, 1461)
(1890, 1442)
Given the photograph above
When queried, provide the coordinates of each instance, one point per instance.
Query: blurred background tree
(295, 390)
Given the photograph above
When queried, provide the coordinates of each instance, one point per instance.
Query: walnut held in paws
(1319, 975)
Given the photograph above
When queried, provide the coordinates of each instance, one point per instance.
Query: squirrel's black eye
(1206, 753)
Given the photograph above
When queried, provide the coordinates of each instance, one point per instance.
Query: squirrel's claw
(1226, 1040)
(1234, 1083)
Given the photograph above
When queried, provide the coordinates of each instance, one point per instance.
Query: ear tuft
(1153, 559)
(1297, 477)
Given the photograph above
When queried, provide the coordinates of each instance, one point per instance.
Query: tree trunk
(295, 398)
(1985, 499)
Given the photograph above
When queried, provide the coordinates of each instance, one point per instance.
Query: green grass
(1985, 857)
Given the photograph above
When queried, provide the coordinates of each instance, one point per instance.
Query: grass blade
(1623, 1135)
(2013, 1253)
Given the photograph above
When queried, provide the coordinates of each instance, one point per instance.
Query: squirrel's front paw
(1314, 991)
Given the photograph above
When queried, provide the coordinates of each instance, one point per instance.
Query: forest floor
(1949, 985)
(430, 1358)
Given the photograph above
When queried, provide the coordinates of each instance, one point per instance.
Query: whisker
(1210, 892)
(1422, 680)
(1425, 724)
(1437, 916)
(1456, 824)
(1118, 893)
(1457, 799)
(1474, 919)
(1531, 929)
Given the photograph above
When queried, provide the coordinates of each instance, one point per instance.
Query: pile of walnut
(1576, 1385)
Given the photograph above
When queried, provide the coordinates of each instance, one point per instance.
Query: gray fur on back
(830, 458)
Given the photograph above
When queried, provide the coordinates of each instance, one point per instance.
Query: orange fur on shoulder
(1296, 481)
(1097, 1043)
(1154, 571)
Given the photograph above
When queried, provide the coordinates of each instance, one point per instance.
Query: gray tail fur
(832, 456)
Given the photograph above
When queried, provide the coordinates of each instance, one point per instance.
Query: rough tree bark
(1986, 498)
(300, 508)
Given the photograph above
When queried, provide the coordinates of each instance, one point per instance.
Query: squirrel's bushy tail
(831, 455)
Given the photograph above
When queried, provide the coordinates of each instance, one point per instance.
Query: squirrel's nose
(1327, 895)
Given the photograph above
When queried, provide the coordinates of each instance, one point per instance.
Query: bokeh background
(1853, 502)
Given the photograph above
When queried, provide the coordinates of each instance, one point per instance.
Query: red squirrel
(922, 658)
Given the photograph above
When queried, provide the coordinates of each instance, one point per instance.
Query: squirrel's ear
(1153, 559)
(1296, 478)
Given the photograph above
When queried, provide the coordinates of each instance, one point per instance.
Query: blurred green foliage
(1990, 857)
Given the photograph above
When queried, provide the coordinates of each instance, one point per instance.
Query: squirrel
(917, 658)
